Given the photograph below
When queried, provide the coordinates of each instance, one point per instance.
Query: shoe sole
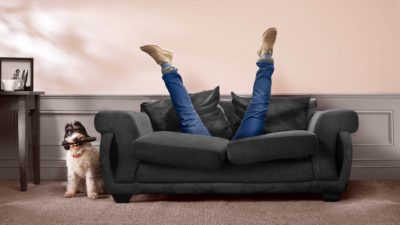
(155, 46)
(149, 49)
(266, 33)
(264, 39)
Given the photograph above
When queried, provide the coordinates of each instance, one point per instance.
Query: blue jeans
(253, 121)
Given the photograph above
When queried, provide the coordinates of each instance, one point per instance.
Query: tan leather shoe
(159, 55)
(268, 41)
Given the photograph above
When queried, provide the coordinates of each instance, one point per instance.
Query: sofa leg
(120, 198)
(331, 197)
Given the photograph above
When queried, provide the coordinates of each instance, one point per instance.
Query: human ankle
(267, 57)
(164, 65)
(167, 68)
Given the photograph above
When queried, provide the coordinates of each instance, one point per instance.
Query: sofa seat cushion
(181, 150)
(273, 146)
(284, 171)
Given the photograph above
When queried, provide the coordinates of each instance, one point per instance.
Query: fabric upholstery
(267, 147)
(326, 171)
(290, 170)
(125, 127)
(163, 116)
(326, 125)
(312, 107)
(284, 113)
(181, 150)
(225, 188)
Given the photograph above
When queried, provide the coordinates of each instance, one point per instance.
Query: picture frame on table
(18, 69)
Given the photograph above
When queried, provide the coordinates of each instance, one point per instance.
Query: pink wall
(92, 47)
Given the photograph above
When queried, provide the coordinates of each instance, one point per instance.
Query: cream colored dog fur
(83, 165)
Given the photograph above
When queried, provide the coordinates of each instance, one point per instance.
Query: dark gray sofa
(137, 160)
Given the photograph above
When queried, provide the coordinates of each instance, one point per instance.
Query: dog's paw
(69, 194)
(92, 195)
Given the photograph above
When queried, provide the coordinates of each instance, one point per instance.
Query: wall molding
(376, 151)
(14, 163)
(70, 112)
(390, 126)
(376, 163)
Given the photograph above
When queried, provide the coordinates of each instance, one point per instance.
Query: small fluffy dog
(82, 161)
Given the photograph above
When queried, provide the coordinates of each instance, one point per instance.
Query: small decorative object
(18, 69)
(21, 81)
(9, 84)
(16, 74)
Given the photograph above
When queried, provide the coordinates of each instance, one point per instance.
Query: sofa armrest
(124, 127)
(331, 190)
(114, 121)
(344, 157)
(326, 125)
(333, 120)
(107, 146)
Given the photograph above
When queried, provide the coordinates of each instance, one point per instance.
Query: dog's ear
(69, 129)
(68, 125)
(82, 128)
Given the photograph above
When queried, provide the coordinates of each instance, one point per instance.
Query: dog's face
(73, 131)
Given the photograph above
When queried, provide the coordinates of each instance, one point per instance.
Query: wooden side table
(26, 104)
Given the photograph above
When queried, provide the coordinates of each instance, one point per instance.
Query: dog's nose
(65, 144)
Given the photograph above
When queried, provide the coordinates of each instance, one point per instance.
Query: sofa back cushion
(284, 112)
(163, 116)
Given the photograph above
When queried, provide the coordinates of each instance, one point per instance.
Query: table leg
(35, 132)
(22, 143)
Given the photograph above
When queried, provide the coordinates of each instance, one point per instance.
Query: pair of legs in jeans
(253, 121)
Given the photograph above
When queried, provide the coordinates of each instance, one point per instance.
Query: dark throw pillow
(163, 116)
(284, 113)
